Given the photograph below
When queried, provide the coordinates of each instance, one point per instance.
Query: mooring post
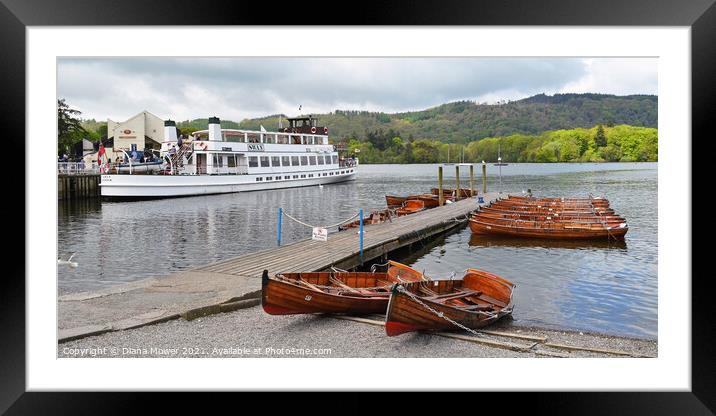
(441, 197)
(360, 234)
(457, 182)
(472, 180)
(280, 215)
(484, 177)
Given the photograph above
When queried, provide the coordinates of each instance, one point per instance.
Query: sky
(239, 88)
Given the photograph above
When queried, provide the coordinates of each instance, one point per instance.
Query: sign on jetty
(236, 283)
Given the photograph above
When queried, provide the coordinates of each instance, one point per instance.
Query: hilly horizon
(466, 121)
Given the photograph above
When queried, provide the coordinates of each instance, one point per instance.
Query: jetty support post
(472, 180)
(457, 182)
(441, 196)
(484, 177)
(280, 215)
(360, 233)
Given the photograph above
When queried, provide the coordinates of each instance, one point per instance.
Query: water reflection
(477, 240)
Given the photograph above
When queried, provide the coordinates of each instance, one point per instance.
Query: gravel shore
(252, 333)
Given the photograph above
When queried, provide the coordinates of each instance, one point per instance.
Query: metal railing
(76, 168)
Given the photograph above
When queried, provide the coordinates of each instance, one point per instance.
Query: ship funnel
(215, 129)
(170, 131)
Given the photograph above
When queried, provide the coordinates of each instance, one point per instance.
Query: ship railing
(347, 163)
(76, 168)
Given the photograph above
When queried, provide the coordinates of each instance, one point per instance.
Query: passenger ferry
(217, 160)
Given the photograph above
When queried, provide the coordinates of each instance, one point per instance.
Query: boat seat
(454, 296)
(477, 307)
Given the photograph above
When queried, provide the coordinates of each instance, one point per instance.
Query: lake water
(601, 287)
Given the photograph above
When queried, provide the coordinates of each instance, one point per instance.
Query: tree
(600, 139)
(69, 129)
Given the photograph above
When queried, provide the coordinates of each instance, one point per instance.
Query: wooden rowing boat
(375, 217)
(332, 292)
(544, 211)
(551, 208)
(603, 203)
(537, 229)
(411, 206)
(555, 217)
(395, 201)
(597, 199)
(478, 299)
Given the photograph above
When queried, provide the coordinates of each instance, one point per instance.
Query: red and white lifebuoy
(325, 130)
(201, 146)
(313, 130)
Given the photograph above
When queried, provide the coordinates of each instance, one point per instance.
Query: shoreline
(250, 332)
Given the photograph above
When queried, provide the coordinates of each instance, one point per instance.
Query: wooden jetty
(236, 283)
(78, 186)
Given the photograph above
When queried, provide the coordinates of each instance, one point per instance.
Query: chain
(401, 289)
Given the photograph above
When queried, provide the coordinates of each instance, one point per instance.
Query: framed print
(461, 184)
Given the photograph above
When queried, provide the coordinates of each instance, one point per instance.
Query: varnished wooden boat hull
(285, 295)
(597, 200)
(395, 201)
(405, 314)
(552, 217)
(281, 298)
(530, 220)
(376, 217)
(547, 211)
(410, 206)
(571, 233)
(553, 204)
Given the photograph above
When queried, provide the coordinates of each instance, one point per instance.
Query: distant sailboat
(499, 157)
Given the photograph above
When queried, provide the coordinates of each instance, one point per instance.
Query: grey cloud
(236, 88)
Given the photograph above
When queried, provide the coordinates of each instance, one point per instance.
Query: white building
(142, 131)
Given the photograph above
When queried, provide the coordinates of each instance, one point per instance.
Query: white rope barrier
(325, 226)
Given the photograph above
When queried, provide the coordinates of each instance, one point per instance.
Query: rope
(326, 226)
(329, 287)
(490, 315)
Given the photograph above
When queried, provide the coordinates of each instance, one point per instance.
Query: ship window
(303, 176)
(295, 176)
(320, 160)
(264, 161)
(294, 160)
(259, 179)
(218, 161)
(304, 160)
(275, 161)
(253, 161)
(285, 161)
(325, 174)
(310, 175)
(232, 161)
(313, 159)
(335, 159)
(269, 178)
(287, 177)
(328, 160)
(269, 138)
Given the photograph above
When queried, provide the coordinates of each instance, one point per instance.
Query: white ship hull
(164, 186)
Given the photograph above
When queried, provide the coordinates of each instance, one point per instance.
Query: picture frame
(17, 15)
